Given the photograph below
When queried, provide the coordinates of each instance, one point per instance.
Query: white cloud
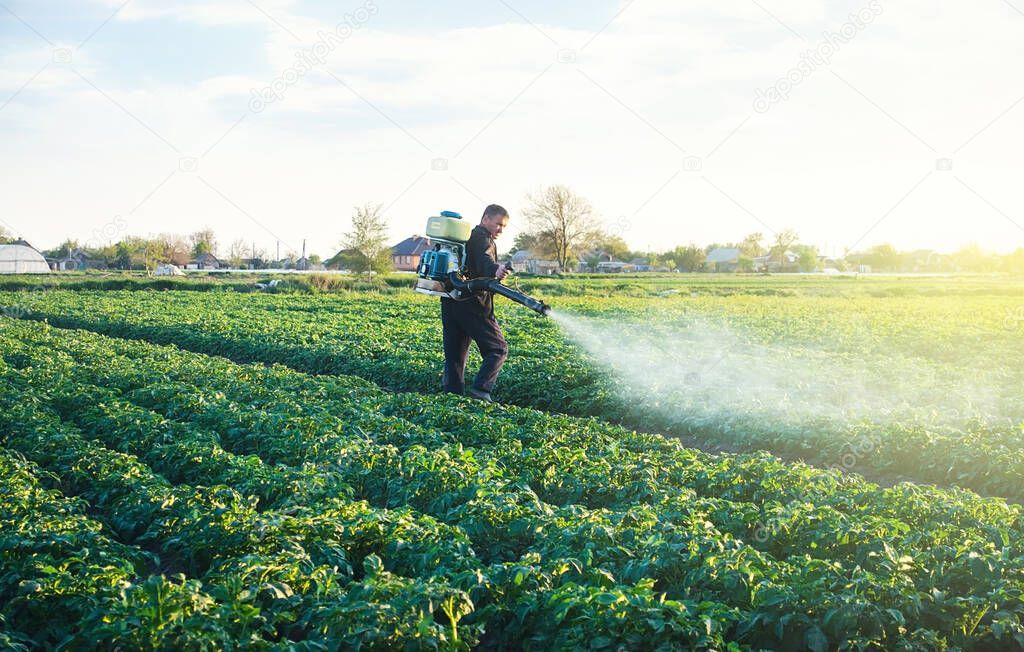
(826, 161)
(203, 12)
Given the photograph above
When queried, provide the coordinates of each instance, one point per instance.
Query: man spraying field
(473, 319)
(461, 267)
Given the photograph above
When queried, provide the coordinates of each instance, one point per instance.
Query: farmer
(473, 319)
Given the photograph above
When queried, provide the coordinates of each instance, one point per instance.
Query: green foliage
(689, 259)
(364, 248)
(166, 497)
(257, 506)
(393, 339)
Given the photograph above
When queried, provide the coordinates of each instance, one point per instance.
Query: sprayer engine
(440, 269)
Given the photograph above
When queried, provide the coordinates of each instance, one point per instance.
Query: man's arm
(484, 265)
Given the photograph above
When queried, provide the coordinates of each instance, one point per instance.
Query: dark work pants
(461, 324)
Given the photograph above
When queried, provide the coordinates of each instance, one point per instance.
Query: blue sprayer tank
(448, 232)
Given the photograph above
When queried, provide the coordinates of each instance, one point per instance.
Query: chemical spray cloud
(818, 57)
(310, 58)
(701, 373)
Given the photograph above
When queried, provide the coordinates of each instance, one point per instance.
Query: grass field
(161, 492)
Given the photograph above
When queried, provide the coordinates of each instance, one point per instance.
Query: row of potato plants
(645, 532)
(393, 341)
(384, 608)
(301, 417)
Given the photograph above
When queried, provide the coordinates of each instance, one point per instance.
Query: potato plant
(257, 506)
(905, 380)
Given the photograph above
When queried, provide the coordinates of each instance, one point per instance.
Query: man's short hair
(494, 211)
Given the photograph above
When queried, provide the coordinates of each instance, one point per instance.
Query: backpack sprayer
(441, 268)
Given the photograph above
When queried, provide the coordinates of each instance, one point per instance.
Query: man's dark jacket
(481, 262)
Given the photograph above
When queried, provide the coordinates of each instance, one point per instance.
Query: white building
(22, 259)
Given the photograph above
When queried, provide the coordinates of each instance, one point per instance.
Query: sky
(853, 122)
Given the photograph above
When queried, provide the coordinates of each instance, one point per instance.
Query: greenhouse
(19, 259)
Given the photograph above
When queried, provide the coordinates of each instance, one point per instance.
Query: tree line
(563, 227)
(560, 226)
(146, 253)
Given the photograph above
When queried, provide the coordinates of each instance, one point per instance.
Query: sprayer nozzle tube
(494, 285)
(533, 304)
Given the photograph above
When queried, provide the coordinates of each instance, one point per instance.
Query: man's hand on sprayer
(501, 272)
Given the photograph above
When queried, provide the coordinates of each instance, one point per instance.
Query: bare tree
(751, 245)
(564, 219)
(783, 241)
(258, 256)
(175, 248)
(366, 244)
(236, 253)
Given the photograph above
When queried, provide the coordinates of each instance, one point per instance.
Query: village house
(525, 261)
(723, 259)
(770, 262)
(406, 254)
(614, 267)
(75, 260)
(204, 261)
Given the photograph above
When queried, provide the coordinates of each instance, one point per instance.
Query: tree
(152, 253)
(257, 256)
(63, 249)
(1014, 262)
(564, 219)
(971, 258)
(104, 255)
(783, 241)
(539, 244)
(690, 258)
(605, 249)
(751, 246)
(614, 246)
(203, 242)
(883, 256)
(367, 241)
(133, 252)
(6, 237)
(807, 257)
(236, 253)
(174, 248)
(122, 255)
